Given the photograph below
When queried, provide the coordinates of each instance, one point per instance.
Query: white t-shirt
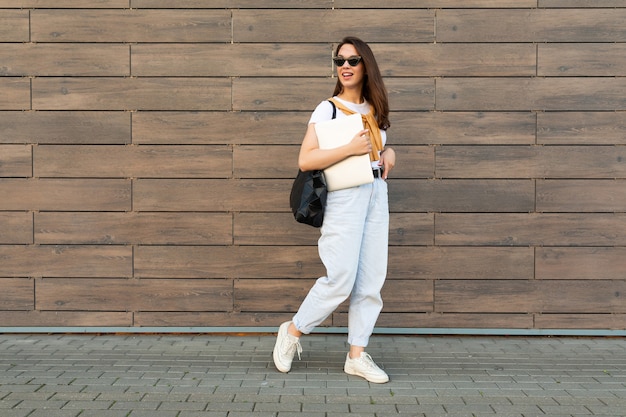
(324, 111)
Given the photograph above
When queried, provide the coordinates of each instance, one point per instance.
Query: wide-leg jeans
(353, 247)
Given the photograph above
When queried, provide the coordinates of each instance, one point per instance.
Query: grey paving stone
(203, 414)
(16, 413)
(178, 405)
(135, 405)
(229, 406)
(230, 376)
(54, 413)
(152, 413)
(104, 413)
(331, 409)
(41, 404)
(87, 405)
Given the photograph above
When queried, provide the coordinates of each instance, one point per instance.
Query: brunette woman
(354, 236)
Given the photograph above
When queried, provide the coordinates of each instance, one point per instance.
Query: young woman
(354, 236)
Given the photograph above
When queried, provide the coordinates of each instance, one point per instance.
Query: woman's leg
(339, 247)
(366, 302)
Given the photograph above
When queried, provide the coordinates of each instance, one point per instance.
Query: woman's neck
(351, 96)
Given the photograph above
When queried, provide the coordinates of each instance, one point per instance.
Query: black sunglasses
(353, 60)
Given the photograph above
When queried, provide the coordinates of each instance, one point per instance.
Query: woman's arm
(312, 157)
(388, 160)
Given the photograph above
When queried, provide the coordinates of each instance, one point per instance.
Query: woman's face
(350, 76)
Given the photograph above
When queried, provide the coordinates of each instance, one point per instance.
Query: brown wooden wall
(147, 149)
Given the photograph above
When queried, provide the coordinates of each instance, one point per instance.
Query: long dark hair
(374, 90)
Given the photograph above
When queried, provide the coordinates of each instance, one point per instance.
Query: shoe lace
(290, 344)
(367, 360)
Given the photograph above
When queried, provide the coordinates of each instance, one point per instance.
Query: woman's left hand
(388, 160)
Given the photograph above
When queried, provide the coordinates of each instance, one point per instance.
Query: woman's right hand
(361, 143)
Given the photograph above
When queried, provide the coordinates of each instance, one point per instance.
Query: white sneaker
(285, 348)
(364, 366)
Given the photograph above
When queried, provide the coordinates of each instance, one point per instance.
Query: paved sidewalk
(232, 376)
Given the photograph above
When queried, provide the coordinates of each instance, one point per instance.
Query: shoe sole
(356, 373)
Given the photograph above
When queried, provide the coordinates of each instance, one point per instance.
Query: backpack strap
(334, 108)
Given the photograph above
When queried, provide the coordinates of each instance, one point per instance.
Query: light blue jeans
(353, 247)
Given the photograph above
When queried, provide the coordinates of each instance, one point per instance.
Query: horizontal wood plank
(14, 26)
(37, 59)
(16, 161)
(75, 161)
(581, 128)
(450, 60)
(411, 94)
(586, 93)
(531, 25)
(331, 25)
(580, 3)
(239, 4)
(65, 194)
(66, 319)
(251, 161)
(485, 26)
(407, 196)
(270, 295)
(16, 228)
(14, 93)
(485, 94)
(277, 261)
(227, 262)
(572, 25)
(571, 263)
(525, 94)
(61, 127)
(413, 161)
(440, 262)
(98, 93)
(227, 60)
(210, 319)
(408, 296)
(533, 229)
(272, 228)
(271, 94)
(130, 25)
(133, 228)
(66, 261)
(315, 4)
(214, 128)
(134, 295)
(531, 162)
(211, 195)
(65, 4)
(17, 294)
(530, 296)
(469, 128)
(411, 229)
(581, 60)
(565, 196)
(580, 321)
(407, 4)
